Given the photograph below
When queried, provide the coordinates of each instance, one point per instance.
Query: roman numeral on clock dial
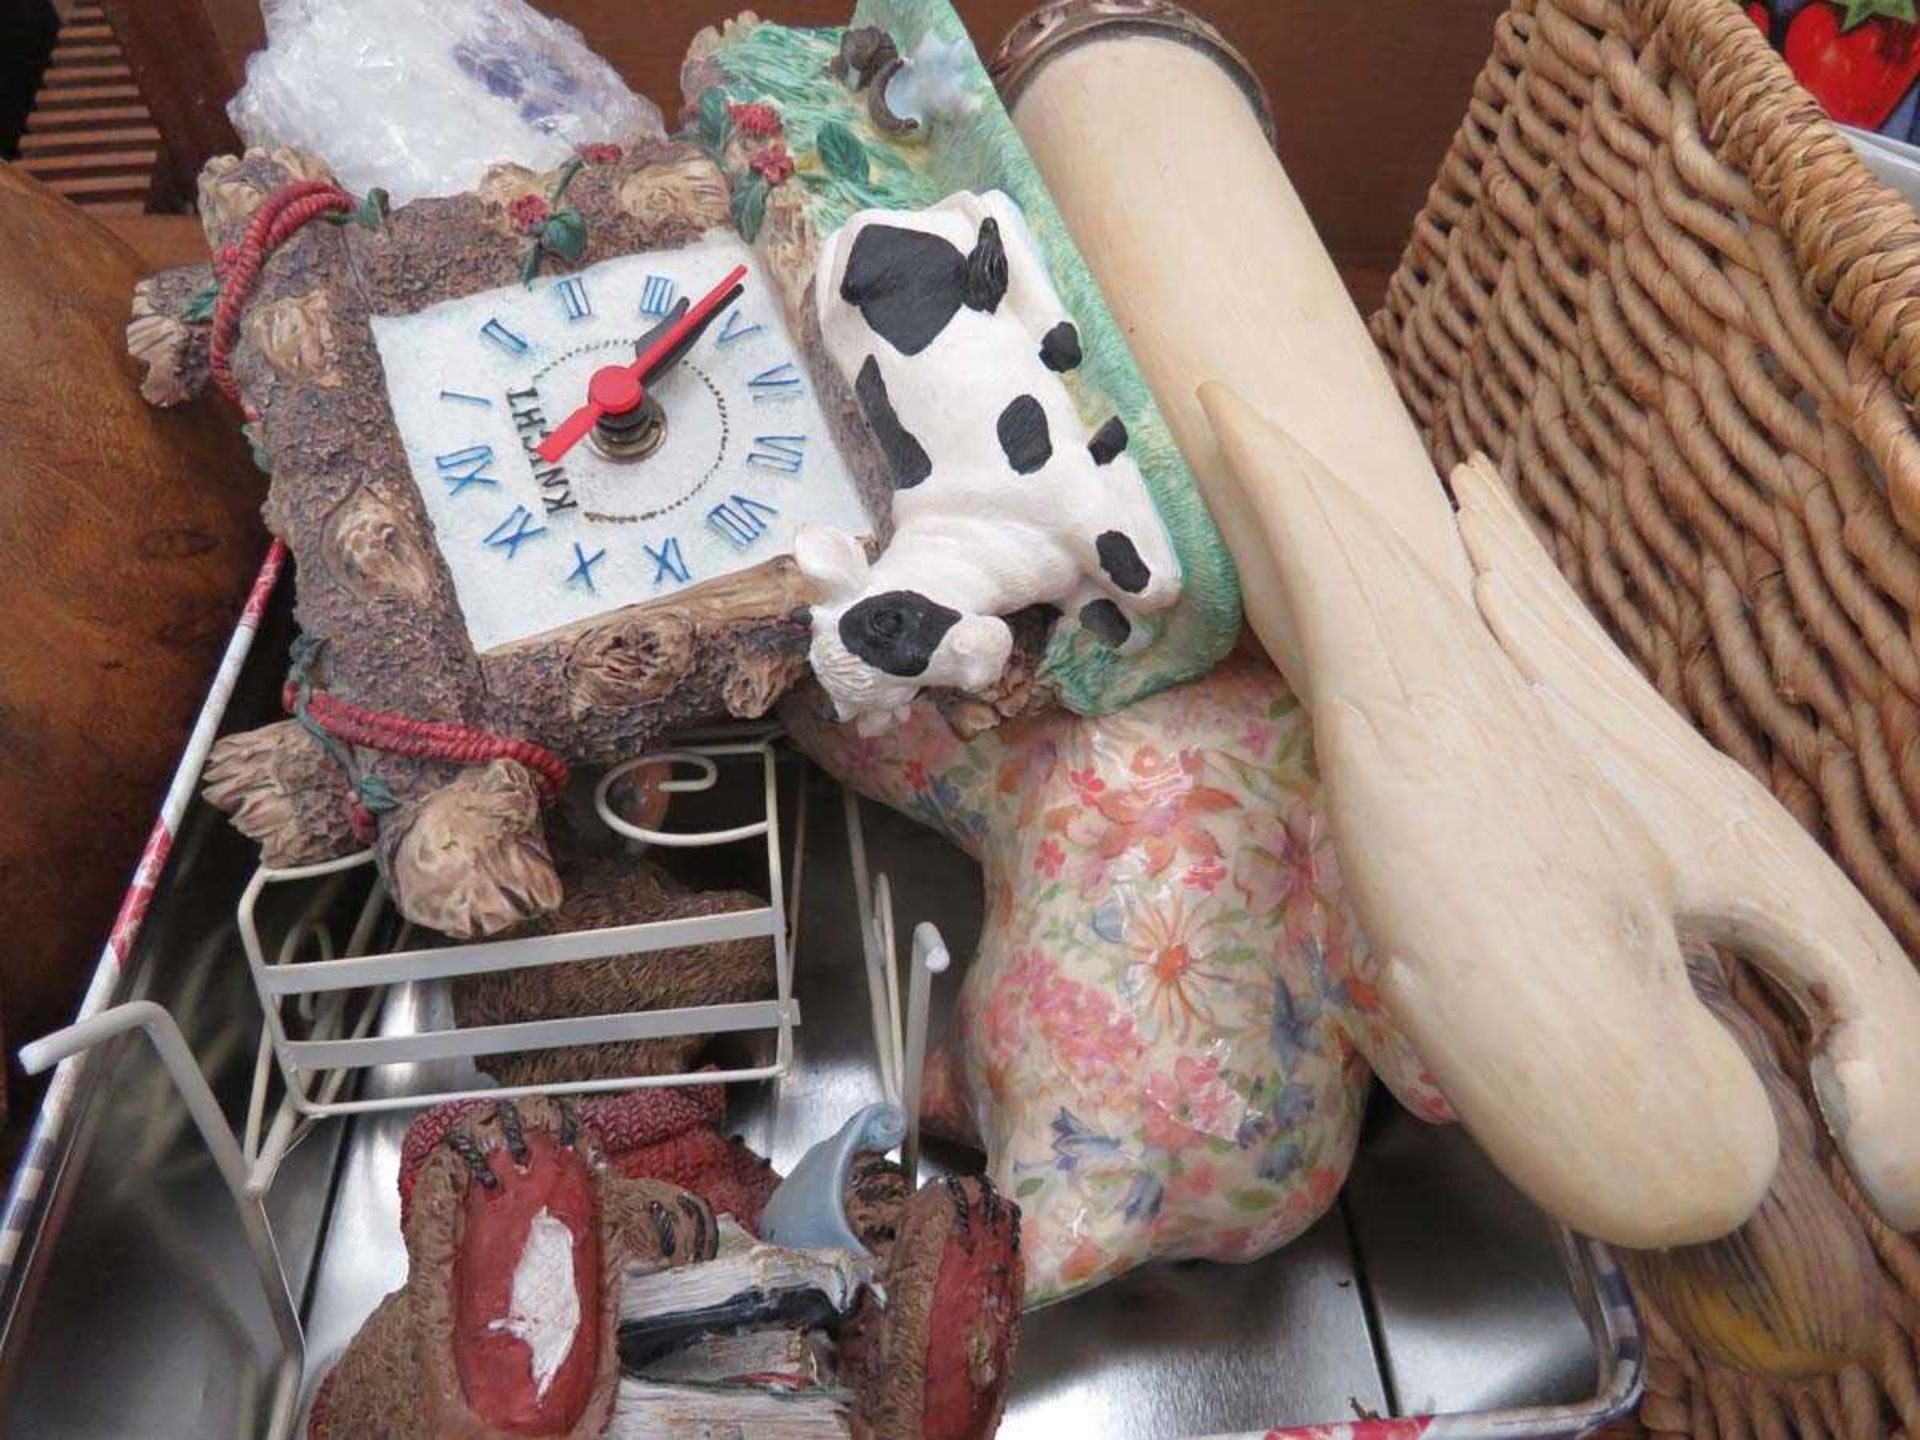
(667, 562)
(776, 380)
(740, 519)
(583, 564)
(506, 339)
(786, 453)
(738, 327)
(514, 531)
(572, 294)
(656, 295)
(466, 467)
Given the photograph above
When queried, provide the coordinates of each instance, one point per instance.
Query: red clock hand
(617, 389)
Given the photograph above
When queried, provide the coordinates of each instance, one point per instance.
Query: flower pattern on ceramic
(1159, 1044)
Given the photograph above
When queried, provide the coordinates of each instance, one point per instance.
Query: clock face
(743, 457)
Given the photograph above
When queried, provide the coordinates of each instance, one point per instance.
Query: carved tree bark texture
(127, 540)
(938, 1360)
(173, 350)
(282, 790)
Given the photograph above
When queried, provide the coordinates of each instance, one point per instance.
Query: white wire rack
(321, 1001)
(899, 1051)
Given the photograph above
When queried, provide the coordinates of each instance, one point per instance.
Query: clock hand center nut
(632, 425)
(616, 389)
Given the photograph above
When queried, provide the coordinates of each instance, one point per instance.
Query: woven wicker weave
(1654, 283)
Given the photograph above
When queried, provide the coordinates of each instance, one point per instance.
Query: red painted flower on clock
(600, 153)
(757, 121)
(773, 163)
(529, 212)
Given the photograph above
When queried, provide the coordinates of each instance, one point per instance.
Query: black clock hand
(621, 389)
(667, 322)
(673, 357)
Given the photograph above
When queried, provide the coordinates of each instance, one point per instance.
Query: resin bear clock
(579, 458)
(539, 453)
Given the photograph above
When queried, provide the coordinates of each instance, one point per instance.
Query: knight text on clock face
(741, 455)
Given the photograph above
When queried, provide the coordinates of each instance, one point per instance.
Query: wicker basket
(1656, 285)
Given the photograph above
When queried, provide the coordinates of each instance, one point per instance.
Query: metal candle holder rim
(1051, 30)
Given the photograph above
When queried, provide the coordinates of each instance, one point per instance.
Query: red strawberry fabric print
(1858, 58)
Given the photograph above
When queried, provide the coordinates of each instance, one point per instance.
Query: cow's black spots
(906, 284)
(905, 455)
(1106, 622)
(897, 631)
(1024, 436)
(1121, 560)
(1060, 347)
(985, 285)
(1108, 441)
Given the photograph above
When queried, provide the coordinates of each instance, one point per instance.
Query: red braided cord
(238, 266)
(429, 739)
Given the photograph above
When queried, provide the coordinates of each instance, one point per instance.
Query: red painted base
(495, 1367)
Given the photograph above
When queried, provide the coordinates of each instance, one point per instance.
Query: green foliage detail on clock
(772, 114)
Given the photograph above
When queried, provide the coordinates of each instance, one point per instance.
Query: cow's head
(874, 649)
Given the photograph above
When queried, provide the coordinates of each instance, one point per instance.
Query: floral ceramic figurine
(1159, 1044)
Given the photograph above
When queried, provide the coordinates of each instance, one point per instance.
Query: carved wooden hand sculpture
(1748, 876)
(1156, 1041)
(1522, 825)
(1521, 820)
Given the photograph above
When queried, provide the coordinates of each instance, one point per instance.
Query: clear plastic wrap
(418, 97)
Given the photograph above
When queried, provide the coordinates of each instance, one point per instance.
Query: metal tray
(130, 1306)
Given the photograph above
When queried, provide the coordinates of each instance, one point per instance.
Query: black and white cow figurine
(947, 327)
